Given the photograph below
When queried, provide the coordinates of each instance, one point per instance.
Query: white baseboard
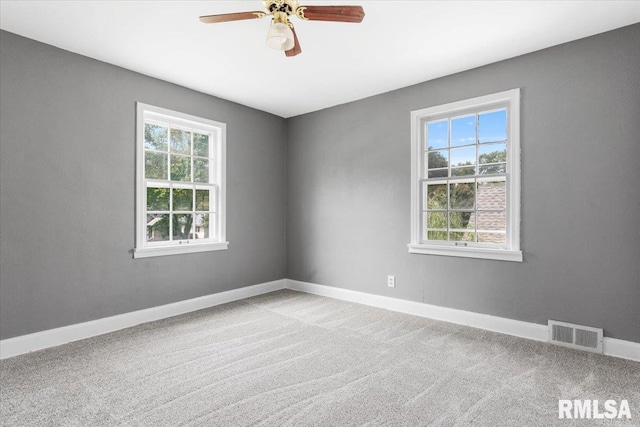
(54, 337)
(612, 347)
(621, 348)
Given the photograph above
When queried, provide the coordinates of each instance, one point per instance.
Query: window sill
(483, 253)
(179, 249)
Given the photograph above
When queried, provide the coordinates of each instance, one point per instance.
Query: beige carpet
(289, 358)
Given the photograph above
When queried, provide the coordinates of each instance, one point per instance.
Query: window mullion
(448, 210)
(475, 209)
(477, 169)
(169, 153)
(170, 211)
(448, 151)
(192, 163)
(192, 236)
(193, 211)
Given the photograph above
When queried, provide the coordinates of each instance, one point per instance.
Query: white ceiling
(399, 43)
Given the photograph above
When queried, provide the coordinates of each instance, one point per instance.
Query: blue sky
(492, 126)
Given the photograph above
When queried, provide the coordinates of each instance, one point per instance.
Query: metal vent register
(575, 336)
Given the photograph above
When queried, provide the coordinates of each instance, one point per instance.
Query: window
(180, 172)
(465, 178)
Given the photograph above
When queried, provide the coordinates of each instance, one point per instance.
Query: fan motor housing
(287, 6)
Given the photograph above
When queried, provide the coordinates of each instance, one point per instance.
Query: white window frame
(174, 118)
(512, 252)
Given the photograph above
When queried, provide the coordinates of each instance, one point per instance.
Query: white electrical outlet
(391, 281)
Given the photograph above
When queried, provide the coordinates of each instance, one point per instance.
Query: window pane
(180, 168)
(202, 226)
(437, 196)
(462, 195)
(492, 195)
(463, 156)
(200, 145)
(155, 137)
(202, 200)
(492, 153)
(463, 131)
(182, 199)
(437, 235)
(492, 220)
(157, 199)
(201, 170)
(492, 169)
(492, 126)
(437, 135)
(437, 220)
(157, 228)
(180, 141)
(182, 226)
(155, 165)
(492, 238)
(439, 173)
(470, 170)
(438, 159)
(456, 236)
(460, 220)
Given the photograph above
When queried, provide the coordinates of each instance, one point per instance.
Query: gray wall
(67, 192)
(349, 198)
(67, 128)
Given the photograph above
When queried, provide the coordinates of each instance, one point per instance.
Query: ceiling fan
(281, 34)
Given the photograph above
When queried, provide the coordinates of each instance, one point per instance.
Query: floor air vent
(575, 336)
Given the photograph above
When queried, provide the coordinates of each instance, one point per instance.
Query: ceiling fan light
(280, 37)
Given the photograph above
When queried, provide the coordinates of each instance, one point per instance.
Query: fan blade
(226, 17)
(331, 13)
(295, 50)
